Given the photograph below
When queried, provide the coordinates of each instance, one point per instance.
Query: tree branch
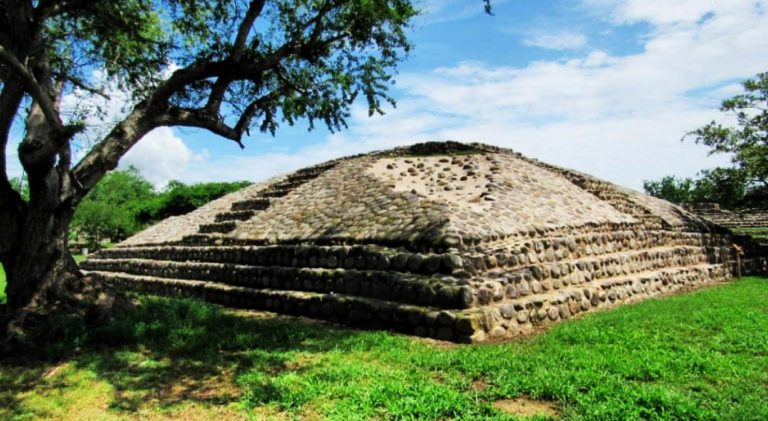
(229, 70)
(222, 83)
(201, 118)
(84, 86)
(33, 87)
(106, 154)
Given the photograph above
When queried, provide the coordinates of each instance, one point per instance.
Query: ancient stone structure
(447, 240)
(747, 218)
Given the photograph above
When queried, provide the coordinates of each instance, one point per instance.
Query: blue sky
(607, 87)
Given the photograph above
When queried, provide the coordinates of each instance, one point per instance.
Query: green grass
(2, 284)
(702, 355)
(756, 232)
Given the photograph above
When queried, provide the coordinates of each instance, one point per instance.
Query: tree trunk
(42, 262)
(40, 270)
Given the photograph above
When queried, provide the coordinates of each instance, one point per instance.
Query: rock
(451, 241)
(553, 313)
(536, 287)
(432, 264)
(498, 332)
(522, 316)
(507, 311)
(465, 326)
(444, 333)
(446, 318)
(523, 288)
(466, 296)
(484, 296)
(452, 262)
(584, 304)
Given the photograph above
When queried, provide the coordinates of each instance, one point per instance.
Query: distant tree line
(725, 186)
(745, 184)
(124, 202)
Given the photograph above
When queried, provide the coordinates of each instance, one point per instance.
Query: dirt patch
(479, 385)
(525, 407)
(219, 388)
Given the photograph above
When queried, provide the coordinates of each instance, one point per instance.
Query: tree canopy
(724, 186)
(124, 202)
(747, 142)
(227, 66)
(746, 183)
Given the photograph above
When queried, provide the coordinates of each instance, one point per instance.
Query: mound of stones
(461, 242)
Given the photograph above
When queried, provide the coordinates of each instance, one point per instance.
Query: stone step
(371, 313)
(275, 193)
(259, 203)
(214, 239)
(497, 284)
(217, 227)
(290, 183)
(242, 215)
(360, 257)
(556, 249)
(623, 263)
(440, 291)
(511, 317)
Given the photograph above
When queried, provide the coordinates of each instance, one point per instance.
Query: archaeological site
(460, 242)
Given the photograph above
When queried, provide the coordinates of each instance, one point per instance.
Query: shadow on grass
(168, 351)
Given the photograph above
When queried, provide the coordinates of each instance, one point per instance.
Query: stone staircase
(360, 285)
(245, 209)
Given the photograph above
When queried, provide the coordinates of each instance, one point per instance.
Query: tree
(671, 188)
(179, 198)
(110, 209)
(724, 186)
(748, 141)
(224, 66)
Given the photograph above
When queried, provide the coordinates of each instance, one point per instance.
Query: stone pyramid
(463, 242)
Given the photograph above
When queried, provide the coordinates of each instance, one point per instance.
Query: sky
(606, 87)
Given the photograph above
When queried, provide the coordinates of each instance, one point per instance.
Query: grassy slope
(697, 356)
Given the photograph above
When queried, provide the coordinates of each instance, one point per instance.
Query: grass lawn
(702, 355)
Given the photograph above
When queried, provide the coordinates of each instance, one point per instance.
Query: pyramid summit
(456, 241)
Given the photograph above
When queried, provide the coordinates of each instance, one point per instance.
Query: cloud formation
(618, 117)
(161, 156)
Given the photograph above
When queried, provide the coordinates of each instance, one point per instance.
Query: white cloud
(161, 156)
(557, 41)
(617, 117)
